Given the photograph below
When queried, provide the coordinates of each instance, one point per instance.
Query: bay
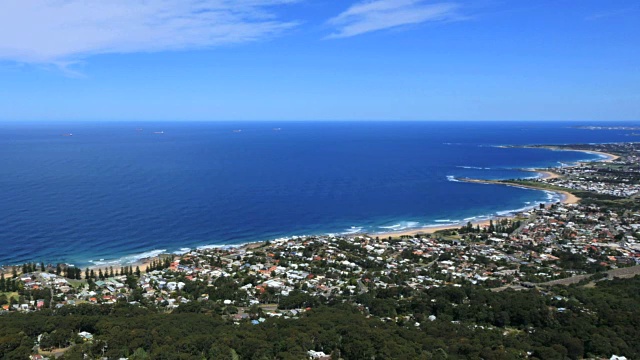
(124, 190)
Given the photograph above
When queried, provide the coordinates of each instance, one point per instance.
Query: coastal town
(319, 180)
(594, 239)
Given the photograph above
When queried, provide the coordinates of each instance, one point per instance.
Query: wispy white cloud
(367, 16)
(63, 31)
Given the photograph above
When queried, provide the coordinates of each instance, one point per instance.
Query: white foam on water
(353, 230)
(129, 259)
(403, 225)
(552, 196)
(440, 225)
(532, 177)
(513, 211)
(210, 247)
(412, 224)
(473, 167)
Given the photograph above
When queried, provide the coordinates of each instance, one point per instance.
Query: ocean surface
(118, 191)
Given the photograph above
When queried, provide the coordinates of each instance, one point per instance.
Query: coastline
(607, 156)
(567, 198)
(143, 264)
(434, 229)
(546, 174)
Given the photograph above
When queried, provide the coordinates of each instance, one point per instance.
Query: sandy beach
(567, 198)
(546, 174)
(433, 229)
(143, 264)
(610, 157)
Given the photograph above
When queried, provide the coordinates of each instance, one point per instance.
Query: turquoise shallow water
(121, 191)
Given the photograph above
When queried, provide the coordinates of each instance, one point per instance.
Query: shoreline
(547, 173)
(143, 264)
(567, 197)
(436, 228)
(607, 156)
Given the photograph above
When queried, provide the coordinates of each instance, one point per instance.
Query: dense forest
(470, 323)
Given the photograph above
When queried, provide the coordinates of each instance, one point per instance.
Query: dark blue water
(112, 190)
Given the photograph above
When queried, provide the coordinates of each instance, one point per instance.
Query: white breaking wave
(182, 251)
(129, 259)
(553, 197)
(440, 225)
(223, 246)
(402, 226)
(512, 212)
(353, 230)
(210, 247)
(452, 178)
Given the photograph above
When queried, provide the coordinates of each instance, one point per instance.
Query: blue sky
(319, 60)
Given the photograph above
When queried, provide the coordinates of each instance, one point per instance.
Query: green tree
(139, 354)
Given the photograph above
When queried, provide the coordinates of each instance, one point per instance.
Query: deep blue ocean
(119, 190)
